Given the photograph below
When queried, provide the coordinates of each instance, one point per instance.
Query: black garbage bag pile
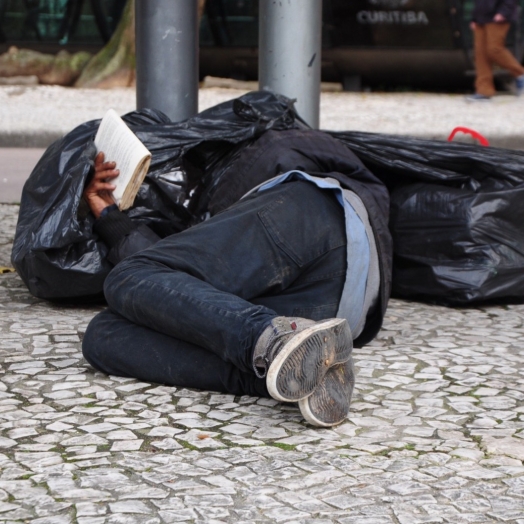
(456, 215)
(55, 250)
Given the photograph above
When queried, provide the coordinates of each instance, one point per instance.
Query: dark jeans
(188, 311)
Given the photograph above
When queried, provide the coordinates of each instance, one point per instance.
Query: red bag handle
(483, 141)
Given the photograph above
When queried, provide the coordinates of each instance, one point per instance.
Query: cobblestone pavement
(435, 433)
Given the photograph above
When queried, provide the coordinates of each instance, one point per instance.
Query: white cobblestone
(435, 434)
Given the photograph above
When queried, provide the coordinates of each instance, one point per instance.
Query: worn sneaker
(297, 353)
(477, 97)
(519, 84)
(329, 404)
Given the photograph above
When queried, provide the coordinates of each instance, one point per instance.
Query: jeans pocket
(277, 232)
(304, 228)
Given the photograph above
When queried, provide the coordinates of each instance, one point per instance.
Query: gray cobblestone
(435, 433)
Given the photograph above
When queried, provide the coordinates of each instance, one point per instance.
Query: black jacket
(485, 10)
(318, 154)
(277, 152)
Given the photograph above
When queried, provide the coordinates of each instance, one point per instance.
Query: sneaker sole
(329, 404)
(303, 362)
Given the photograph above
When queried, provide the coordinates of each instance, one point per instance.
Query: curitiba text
(392, 17)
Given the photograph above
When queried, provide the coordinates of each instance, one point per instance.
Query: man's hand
(498, 18)
(98, 193)
(472, 26)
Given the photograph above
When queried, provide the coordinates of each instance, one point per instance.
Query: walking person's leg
(484, 84)
(497, 51)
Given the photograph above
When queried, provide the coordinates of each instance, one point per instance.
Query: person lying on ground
(265, 298)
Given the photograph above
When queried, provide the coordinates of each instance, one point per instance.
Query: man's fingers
(101, 164)
(108, 173)
(99, 159)
(99, 186)
(104, 166)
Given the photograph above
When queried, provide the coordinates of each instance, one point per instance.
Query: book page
(122, 146)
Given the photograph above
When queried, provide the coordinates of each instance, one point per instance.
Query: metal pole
(167, 56)
(290, 52)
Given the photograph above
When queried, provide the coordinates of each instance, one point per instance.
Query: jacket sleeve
(507, 9)
(485, 10)
(122, 236)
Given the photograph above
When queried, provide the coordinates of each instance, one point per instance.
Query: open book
(132, 158)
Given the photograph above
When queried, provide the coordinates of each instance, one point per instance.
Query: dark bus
(412, 43)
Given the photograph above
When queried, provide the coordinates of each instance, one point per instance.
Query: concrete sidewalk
(16, 165)
(34, 116)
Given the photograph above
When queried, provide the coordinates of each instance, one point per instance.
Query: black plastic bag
(55, 250)
(456, 215)
(457, 218)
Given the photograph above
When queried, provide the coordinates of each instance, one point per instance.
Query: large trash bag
(456, 214)
(457, 217)
(55, 250)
